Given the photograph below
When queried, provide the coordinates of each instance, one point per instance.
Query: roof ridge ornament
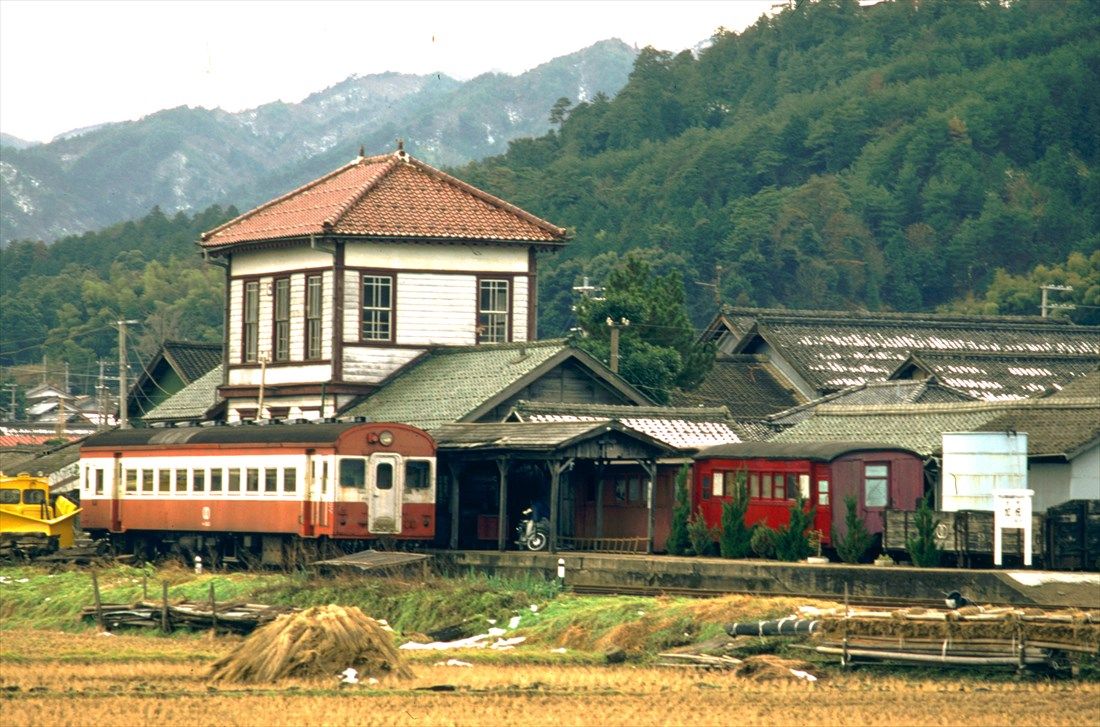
(401, 153)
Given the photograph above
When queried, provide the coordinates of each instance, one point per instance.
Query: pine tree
(792, 543)
(854, 544)
(678, 541)
(922, 548)
(735, 540)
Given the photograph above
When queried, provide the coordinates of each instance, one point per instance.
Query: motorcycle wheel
(537, 541)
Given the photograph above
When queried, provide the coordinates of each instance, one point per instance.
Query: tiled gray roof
(873, 393)
(920, 427)
(191, 402)
(991, 376)
(447, 384)
(513, 435)
(746, 384)
(192, 360)
(831, 350)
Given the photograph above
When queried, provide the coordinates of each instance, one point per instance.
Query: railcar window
(804, 486)
(754, 485)
(823, 492)
(290, 480)
(418, 474)
(146, 480)
(383, 476)
(719, 484)
(98, 474)
(324, 477)
(198, 483)
(875, 478)
(234, 479)
(215, 480)
(165, 480)
(271, 481)
(353, 473)
(9, 497)
(253, 479)
(792, 486)
(33, 497)
(181, 480)
(131, 480)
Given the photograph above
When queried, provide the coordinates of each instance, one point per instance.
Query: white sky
(66, 65)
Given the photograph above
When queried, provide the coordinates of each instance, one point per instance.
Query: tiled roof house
(336, 285)
(176, 365)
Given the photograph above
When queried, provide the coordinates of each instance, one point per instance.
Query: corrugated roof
(920, 427)
(387, 196)
(987, 375)
(447, 384)
(748, 385)
(814, 451)
(831, 349)
(191, 402)
(873, 393)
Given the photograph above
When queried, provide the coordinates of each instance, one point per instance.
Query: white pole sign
(1011, 509)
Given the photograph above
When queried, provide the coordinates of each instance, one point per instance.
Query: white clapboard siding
(519, 308)
(274, 262)
(236, 297)
(267, 300)
(297, 317)
(436, 309)
(273, 375)
(351, 306)
(372, 364)
(326, 321)
(452, 258)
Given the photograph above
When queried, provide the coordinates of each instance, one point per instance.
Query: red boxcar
(216, 489)
(823, 473)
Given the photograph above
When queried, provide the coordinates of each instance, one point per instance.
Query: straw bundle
(768, 667)
(320, 641)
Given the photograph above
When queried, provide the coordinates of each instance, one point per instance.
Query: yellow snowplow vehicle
(29, 525)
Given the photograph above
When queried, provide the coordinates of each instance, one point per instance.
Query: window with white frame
(377, 307)
(876, 478)
(282, 319)
(251, 321)
(492, 311)
(313, 317)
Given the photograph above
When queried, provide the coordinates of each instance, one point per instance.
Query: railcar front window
(418, 474)
(33, 497)
(383, 476)
(9, 497)
(875, 485)
(353, 473)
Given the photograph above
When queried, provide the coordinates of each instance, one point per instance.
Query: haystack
(321, 641)
(769, 667)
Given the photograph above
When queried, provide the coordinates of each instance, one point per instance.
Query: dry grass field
(54, 678)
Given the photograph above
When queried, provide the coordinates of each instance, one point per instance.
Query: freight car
(272, 494)
(823, 474)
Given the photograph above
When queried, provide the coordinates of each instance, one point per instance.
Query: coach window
(324, 477)
(147, 479)
(98, 474)
(353, 473)
(290, 480)
(804, 487)
(216, 480)
(418, 474)
(198, 483)
(719, 484)
(271, 481)
(875, 478)
(164, 480)
(181, 480)
(234, 479)
(131, 480)
(253, 479)
(823, 492)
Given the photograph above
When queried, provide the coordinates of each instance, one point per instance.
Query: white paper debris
(492, 621)
(453, 662)
(497, 632)
(513, 623)
(804, 675)
(105, 633)
(534, 608)
(351, 676)
(559, 650)
(502, 644)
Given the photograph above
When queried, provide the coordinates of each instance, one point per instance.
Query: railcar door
(115, 490)
(387, 483)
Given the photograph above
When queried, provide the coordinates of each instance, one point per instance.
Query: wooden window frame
(280, 320)
(314, 314)
(390, 310)
(885, 479)
(250, 328)
(484, 323)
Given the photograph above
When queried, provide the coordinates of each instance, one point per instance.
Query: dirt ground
(53, 678)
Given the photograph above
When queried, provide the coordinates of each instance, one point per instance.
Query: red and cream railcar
(256, 489)
(823, 474)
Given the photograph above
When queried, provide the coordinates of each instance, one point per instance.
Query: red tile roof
(392, 195)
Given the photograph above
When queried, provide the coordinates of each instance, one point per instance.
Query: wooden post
(454, 470)
(599, 502)
(213, 611)
(650, 468)
(556, 469)
(98, 603)
(164, 607)
(145, 586)
(502, 510)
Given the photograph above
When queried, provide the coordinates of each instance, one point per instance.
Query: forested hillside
(835, 156)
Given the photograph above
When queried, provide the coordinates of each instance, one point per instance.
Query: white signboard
(1011, 509)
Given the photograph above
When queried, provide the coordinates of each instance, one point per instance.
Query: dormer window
(377, 307)
(492, 311)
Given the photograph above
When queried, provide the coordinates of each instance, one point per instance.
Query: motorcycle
(532, 534)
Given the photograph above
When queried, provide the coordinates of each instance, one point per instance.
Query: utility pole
(12, 387)
(60, 431)
(1045, 306)
(615, 327)
(263, 376)
(101, 398)
(716, 286)
(67, 377)
(123, 415)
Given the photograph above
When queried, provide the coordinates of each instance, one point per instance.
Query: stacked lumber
(234, 616)
(322, 641)
(970, 636)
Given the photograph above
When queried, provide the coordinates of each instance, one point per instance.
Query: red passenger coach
(822, 473)
(258, 492)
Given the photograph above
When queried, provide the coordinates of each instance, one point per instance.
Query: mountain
(15, 142)
(184, 159)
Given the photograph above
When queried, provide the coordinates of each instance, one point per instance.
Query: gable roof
(834, 349)
(1061, 426)
(192, 360)
(679, 427)
(991, 375)
(451, 384)
(874, 393)
(536, 436)
(746, 384)
(192, 402)
(386, 196)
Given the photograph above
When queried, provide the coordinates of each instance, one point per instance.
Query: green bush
(854, 544)
(762, 541)
(792, 542)
(702, 536)
(923, 550)
(678, 542)
(735, 539)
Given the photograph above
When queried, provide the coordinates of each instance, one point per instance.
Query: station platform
(709, 576)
